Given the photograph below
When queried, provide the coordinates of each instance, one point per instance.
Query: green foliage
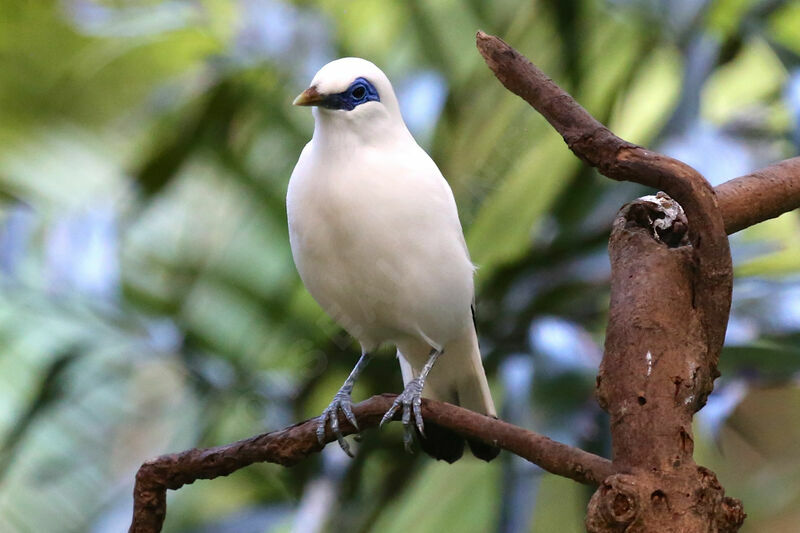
(148, 301)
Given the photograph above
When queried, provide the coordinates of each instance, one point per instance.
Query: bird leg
(411, 400)
(343, 401)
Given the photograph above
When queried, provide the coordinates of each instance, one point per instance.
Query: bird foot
(341, 401)
(411, 401)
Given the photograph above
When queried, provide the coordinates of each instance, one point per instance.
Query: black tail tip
(441, 443)
(446, 445)
(483, 451)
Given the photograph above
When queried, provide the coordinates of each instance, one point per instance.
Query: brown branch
(667, 318)
(745, 201)
(290, 445)
(764, 194)
(653, 377)
(623, 161)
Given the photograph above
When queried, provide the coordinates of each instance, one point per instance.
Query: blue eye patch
(360, 92)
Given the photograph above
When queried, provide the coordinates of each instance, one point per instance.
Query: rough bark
(654, 376)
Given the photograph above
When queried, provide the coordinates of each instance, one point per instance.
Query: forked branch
(620, 160)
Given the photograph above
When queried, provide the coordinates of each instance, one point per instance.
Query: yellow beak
(309, 97)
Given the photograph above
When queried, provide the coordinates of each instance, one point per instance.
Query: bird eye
(359, 92)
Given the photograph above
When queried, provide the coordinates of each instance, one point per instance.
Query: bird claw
(411, 402)
(341, 401)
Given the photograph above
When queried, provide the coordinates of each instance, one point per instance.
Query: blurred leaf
(725, 16)
(458, 497)
(753, 76)
(777, 241)
(561, 506)
(644, 108)
(771, 359)
(784, 23)
(50, 391)
(757, 459)
(530, 188)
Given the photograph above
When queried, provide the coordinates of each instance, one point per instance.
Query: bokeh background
(148, 300)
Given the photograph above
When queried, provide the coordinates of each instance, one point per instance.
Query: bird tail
(458, 378)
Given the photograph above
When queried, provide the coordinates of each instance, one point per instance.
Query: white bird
(376, 238)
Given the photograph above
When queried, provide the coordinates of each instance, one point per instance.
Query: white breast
(376, 238)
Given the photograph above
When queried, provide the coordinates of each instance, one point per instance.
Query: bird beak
(309, 97)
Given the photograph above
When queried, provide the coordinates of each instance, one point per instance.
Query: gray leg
(411, 400)
(342, 401)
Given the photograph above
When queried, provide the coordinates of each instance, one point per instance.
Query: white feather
(376, 238)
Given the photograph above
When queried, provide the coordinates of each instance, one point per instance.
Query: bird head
(352, 93)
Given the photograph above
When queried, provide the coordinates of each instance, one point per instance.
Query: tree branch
(668, 313)
(623, 161)
(655, 374)
(744, 201)
(764, 194)
(290, 445)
